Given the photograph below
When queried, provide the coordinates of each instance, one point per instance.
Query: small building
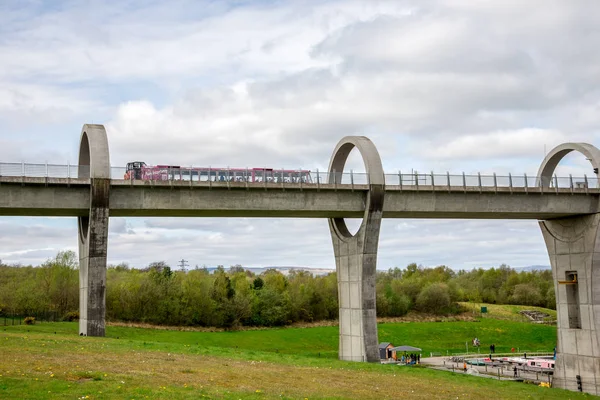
(385, 352)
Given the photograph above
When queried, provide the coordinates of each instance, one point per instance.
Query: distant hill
(533, 268)
(325, 271)
(283, 270)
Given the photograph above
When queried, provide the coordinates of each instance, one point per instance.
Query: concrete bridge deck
(45, 196)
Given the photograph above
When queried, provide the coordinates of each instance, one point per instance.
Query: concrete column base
(355, 268)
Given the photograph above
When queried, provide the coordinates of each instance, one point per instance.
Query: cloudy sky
(449, 85)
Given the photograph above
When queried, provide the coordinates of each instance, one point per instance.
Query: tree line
(234, 296)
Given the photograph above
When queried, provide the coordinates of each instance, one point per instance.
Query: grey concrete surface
(574, 248)
(93, 231)
(356, 257)
(70, 197)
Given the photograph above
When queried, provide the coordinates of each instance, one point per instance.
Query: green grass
(36, 362)
(323, 341)
(50, 361)
(505, 311)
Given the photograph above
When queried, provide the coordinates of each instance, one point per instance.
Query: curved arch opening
(83, 170)
(354, 172)
(355, 151)
(575, 164)
(341, 168)
(84, 223)
(565, 165)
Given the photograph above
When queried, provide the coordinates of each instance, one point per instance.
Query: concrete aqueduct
(569, 220)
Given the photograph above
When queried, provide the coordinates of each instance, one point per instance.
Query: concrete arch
(356, 256)
(375, 176)
(573, 245)
(552, 159)
(94, 163)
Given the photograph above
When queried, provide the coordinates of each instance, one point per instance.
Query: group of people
(410, 358)
(477, 343)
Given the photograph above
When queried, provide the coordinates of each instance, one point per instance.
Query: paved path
(503, 371)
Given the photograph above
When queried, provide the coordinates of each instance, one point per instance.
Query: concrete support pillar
(93, 231)
(356, 256)
(574, 248)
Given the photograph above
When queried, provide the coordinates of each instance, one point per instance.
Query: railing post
(448, 180)
(334, 181)
(571, 182)
(265, 178)
(479, 181)
(417, 180)
(510, 185)
(526, 186)
(23, 168)
(555, 183)
(464, 182)
(300, 177)
(282, 181)
(209, 178)
(495, 183)
(318, 181)
(352, 179)
(400, 179)
(228, 178)
(585, 182)
(191, 176)
(432, 182)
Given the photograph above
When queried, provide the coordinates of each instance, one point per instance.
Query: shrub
(527, 294)
(71, 316)
(29, 320)
(435, 299)
(399, 305)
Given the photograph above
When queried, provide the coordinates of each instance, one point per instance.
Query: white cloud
(500, 144)
(441, 85)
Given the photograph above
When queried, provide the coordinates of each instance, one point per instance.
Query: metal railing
(400, 180)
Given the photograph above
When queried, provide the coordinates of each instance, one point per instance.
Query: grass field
(49, 361)
(505, 311)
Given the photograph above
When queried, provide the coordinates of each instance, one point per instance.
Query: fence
(8, 319)
(282, 176)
